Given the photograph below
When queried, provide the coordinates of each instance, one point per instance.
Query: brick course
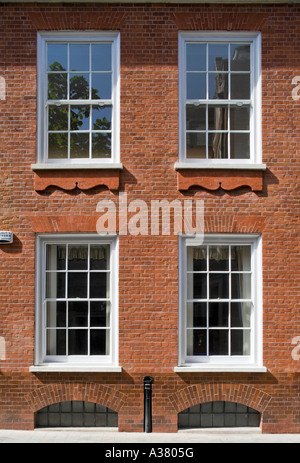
(148, 281)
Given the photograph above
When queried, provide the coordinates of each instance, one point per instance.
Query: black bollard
(148, 380)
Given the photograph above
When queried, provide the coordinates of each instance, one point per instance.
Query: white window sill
(227, 166)
(220, 369)
(61, 166)
(75, 368)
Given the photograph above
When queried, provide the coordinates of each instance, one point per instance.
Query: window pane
(77, 285)
(196, 257)
(78, 258)
(218, 86)
(99, 342)
(197, 286)
(99, 285)
(55, 257)
(196, 314)
(240, 86)
(58, 146)
(241, 258)
(79, 86)
(100, 313)
(77, 344)
(196, 145)
(99, 258)
(218, 145)
(56, 342)
(218, 117)
(239, 146)
(78, 314)
(56, 314)
(240, 342)
(217, 57)
(218, 314)
(101, 118)
(240, 117)
(79, 57)
(218, 286)
(101, 57)
(196, 86)
(58, 118)
(57, 86)
(218, 258)
(101, 145)
(196, 342)
(57, 57)
(55, 285)
(240, 314)
(196, 57)
(218, 342)
(240, 57)
(101, 86)
(195, 117)
(80, 117)
(79, 145)
(241, 286)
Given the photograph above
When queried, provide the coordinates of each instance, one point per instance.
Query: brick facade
(148, 265)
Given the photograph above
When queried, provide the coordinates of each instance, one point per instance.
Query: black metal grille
(76, 414)
(218, 414)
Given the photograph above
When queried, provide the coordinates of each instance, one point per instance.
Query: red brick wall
(148, 306)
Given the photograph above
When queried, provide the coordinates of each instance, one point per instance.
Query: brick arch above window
(107, 20)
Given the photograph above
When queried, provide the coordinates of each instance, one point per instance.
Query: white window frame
(254, 39)
(223, 363)
(75, 363)
(43, 38)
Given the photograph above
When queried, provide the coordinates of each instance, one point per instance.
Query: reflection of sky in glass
(196, 57)
(58, 53)
(79, 57)
(101, 57)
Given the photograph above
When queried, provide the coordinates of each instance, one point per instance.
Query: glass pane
(240, 57)
(241, 258)
(80, 117)
(101, 57)
(101, 118)
(196, 57)
(218, 258)
(77, 344)
(78, 258)
(55, 285)
(240, 314)
(99, 342)
(240, 342)
(218, 117)
(55, 257)
(99, 258)
(99, 285)
(58, 118)
(218, 314)
(218, 342)
(196, 342)
(77, 285)
(218, 145)
(195, 117)
(196, 86)
(101, 86)
(101, 145)
(217, 57)
(58, 146)
(241, 286)
(57, 57)
(218, 86)
(240, 146)
(196, 145)
(56, 342)
(240, 86)
(196, 258)
(196, 314)
(78, 313)
(56, 314)
(218, 286)
(197, 286)
(57, 86)
(100, 314)
(79, 57)
(79, 86)
(240, 117)
(79, 145)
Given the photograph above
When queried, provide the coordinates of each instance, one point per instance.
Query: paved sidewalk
(111, 436)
